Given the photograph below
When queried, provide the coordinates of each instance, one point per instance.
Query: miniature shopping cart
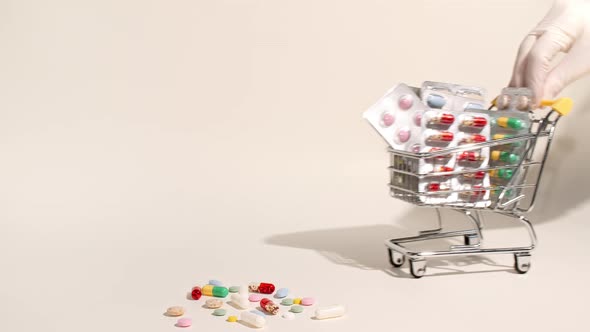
(512, 199)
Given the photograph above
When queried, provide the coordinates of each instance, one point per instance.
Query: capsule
(443, 136)
(240, 301)
(332, 311)
(445, 119)
(503, 101)
(252, 319)
(505, 174)
(439, 158)
(476, 194)
(512, 123)
(474, 122)
(269, 306)
(473, 139)
(263, 287)
(505, 156)
(502, 136)
(196, 293)
(217, 291)
(445, 169)
(470, 156)
(475, 176)
(437, 186)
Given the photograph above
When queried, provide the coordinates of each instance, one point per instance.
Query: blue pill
(436, 101)
(476, 106)
(283, 292)
(215, 282)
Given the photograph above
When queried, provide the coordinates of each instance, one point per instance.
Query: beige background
(148, 146)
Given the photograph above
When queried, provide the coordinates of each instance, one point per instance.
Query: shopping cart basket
(513, 199)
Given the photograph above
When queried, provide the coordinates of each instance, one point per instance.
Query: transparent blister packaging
(505, 158)
(515, 99)
(396, 117)
(452, 97)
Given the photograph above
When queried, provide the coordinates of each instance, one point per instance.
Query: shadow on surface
(363, 247)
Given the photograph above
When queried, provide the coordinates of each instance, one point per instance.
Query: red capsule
(196, 293)
(475, 176)
(474, 121)
(263, 287)
(269, 306)
(470, 156)
(443, 136)
(445, 169)
(435, 186)
(445, 119)
(473, 139)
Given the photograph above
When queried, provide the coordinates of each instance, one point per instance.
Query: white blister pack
(446, 129)
(453, 97)
(396, 117)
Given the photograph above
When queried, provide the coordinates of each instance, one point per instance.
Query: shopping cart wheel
(395, 258)
(418, 268)
(522, 262)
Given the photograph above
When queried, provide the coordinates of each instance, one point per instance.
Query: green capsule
(514, 123)
(505, 156)
(217, 291)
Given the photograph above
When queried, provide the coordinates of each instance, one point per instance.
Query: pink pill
(307, 301)
(387, 119)
(418, 119)
(184, 322)
(255, 297)
(403, 135)
(405, 102)
(415, 148)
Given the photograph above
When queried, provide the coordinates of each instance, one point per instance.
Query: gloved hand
(565, 28)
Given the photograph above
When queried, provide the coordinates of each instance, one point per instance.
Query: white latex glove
(565, 28)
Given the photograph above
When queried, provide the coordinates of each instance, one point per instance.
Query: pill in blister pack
(520, 99)
(470, 157)
(438, 186)
(441, 120)
(511, 123)
(396, 117)
(479, 175)
(475, 138)
(471, 121)
(439, 137)
(477, 193)
(504, 173)
(505, 156)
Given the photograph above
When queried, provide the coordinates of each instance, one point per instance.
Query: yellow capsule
(296, 300)
(232, 319)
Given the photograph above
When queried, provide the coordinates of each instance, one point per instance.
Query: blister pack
(516, 99)
(396, 117)
(512, 121)
(454, 97)
(446, 129)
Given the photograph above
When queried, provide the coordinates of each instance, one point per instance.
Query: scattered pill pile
(252, 303)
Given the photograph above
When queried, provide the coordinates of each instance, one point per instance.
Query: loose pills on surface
(288, 315)
(263, 287)
(296, 309)
(307, 301)
(296, 300)
(287, 301)
(175, 311)
(215, 282)
(217, 291)
(232, 319)
(254, 297)
(234, 289)
(259, 313)
(184, 322)
(241, 301)
(283, 292)
(252, 319)
(196, 293)
(332, 311)
(269, 306)
(219, 312)
(213, 303)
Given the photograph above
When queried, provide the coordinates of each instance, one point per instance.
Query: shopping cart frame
(525, 182)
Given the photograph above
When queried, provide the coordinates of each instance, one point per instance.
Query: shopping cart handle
(562, 105)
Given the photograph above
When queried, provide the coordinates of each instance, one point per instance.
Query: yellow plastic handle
(562, 105)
